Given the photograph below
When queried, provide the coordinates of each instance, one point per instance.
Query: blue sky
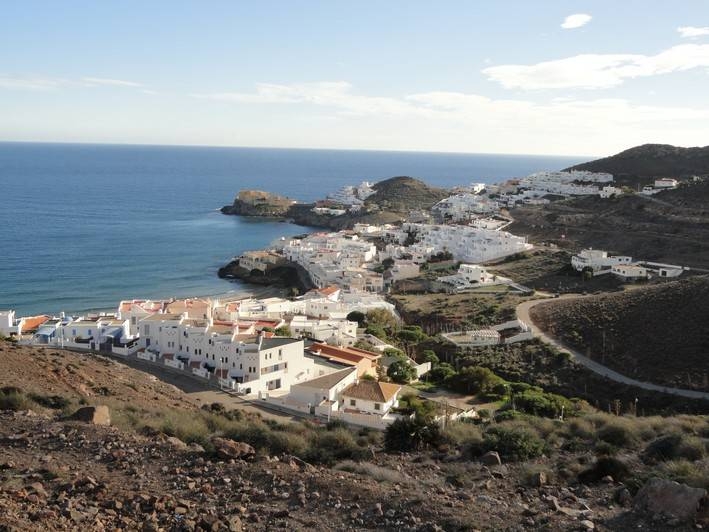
(545, 77)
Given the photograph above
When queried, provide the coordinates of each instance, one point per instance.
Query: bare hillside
(658, 334)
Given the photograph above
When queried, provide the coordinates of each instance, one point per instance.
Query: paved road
(523, 314)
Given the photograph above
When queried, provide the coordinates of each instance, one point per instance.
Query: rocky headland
(394, 199)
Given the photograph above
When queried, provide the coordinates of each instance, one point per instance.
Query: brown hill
(672, 226)
(641, 163)
(656, 334)
(403, 194)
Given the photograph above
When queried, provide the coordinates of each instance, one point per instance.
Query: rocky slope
(58, 474)
(643, 163)
(657, 334)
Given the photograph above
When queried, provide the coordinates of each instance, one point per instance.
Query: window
(353, 402)
(377, 406)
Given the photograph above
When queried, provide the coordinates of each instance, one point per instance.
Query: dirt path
(524, 315)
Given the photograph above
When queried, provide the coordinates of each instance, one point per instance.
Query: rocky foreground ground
(70, 475)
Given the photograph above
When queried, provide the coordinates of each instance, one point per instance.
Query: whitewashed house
(370, 397)
(597, 261)
(630, 272)
(8, 323)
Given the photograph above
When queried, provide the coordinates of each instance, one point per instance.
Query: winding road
(524, 315)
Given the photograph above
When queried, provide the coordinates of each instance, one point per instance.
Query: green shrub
(330, 446)
(461, 433)
(538, 403)
(605, 466)
(475, 380)
(675, 446)
(619, 433)
(513, 443)
(55, 402)
(12, 398)
(412, 434)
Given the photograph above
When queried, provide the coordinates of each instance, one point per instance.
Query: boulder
(176, 443)
(666, 497)
(491, 458)
(227, 449)
(96, 415)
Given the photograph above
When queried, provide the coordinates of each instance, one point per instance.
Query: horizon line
(226, 146)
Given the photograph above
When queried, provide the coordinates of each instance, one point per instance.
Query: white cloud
(593, 71)
(453, 121)
(31, 83)
(111, 82)
(44, 83)
(692, 31)
(576, 21)
(336, 94)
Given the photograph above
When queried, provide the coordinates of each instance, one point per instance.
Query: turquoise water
(84, 226)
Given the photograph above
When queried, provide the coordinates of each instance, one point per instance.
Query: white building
(370, 397)
(630, 272)
(335, 332)
(467, 244)
(610, 191)
(463, 207)
(402, 269)
(469, 276)
(352, 195)
(509, 332)
(666, 183)
(8, 323)
(259, 260)
(597, 261)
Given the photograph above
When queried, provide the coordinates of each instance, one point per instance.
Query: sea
(83, 226)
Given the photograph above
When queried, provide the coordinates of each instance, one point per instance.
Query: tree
(401, 372)
(393, 352)
(382, 318)
(376, 330)
(283, 331)
(388, 263)
(475, 380)
(441, 373)
(357, 316)
(430, 356)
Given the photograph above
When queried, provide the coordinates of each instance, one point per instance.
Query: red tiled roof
(379, 392)
(31, 323)
(351, 355)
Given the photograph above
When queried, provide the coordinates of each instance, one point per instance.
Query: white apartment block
(334, 332)
(463, 207)
(259, 260)
(467, 244)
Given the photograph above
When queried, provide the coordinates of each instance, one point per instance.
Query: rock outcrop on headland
(259, 203)
(392, 202)
(284, 275)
